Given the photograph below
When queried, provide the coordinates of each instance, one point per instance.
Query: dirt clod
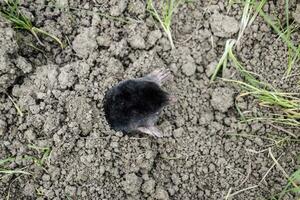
(153, 36)
(85, 42)
(189, 68)
(60, 92)
(29, 190)
(149, 186)
(222, 99)
(12, 65)
(296, 14)
(132, 184)
(223, 26)
(211, 68)
(161, 194)
(137, 42)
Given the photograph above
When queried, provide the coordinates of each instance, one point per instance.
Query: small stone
(137, 42)
(179, 122)
(188, 164)
(206, 118)
(189, 68)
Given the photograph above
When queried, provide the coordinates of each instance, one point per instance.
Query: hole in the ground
(18, 81)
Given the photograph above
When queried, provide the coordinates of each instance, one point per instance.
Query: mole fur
(134, 103)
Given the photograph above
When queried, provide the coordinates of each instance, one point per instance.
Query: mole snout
(135, 104)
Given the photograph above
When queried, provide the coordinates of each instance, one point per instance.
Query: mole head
(144, 97)
(132, 103)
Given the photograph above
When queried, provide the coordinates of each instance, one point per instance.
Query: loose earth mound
(63, 145)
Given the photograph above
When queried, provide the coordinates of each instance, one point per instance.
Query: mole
(134, 105)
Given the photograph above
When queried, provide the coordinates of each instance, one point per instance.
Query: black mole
(135, 104)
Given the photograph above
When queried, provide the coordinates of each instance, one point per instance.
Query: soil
(60, 92)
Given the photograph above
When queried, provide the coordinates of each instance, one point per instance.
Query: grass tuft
(44, 151)
(222, 64)
(285, 35)
(250, 9)
(15, 105)
(288, 104)
(166, 19)
(293, 185)
(254, 8)
(12, 13)
(273, 139)
(5, 171)
(44, 156)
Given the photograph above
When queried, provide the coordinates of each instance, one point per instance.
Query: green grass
(222, 64)
(12, 13)
(7, 160)
(292, 187)
(254, 8)
(44, 155)
(285, 35)
(250, 12)
(292, 56)
(5, 171)
(288, 104)
(165, 19)
(251, 8)
(15, 105)
(39, 192)
(293, 181)
(275, 140)
(15, 171)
